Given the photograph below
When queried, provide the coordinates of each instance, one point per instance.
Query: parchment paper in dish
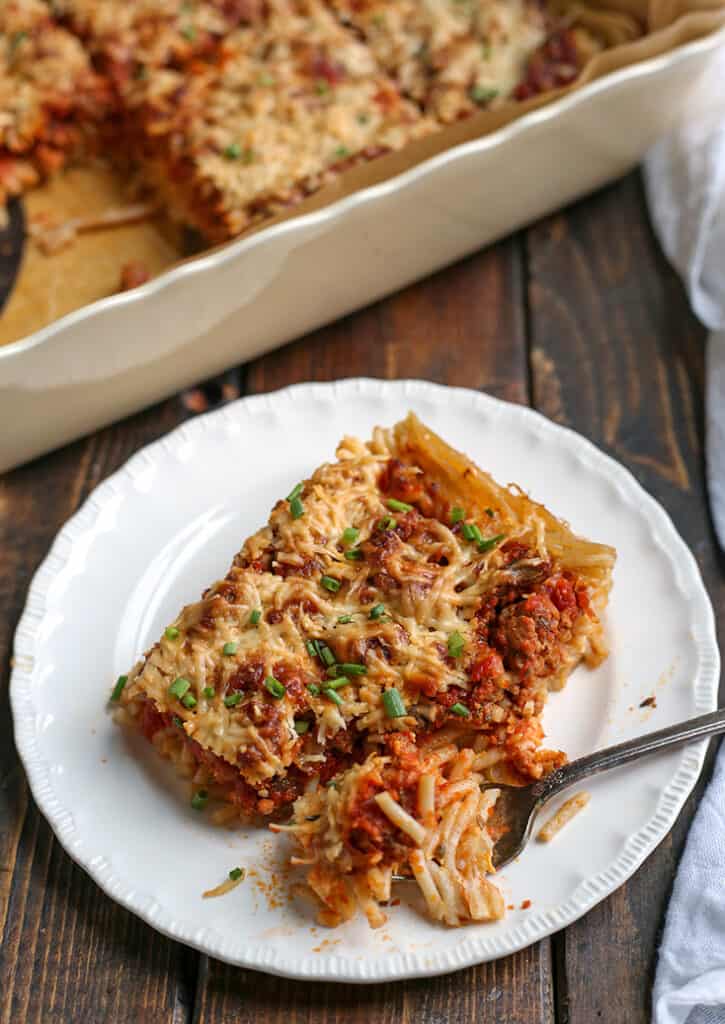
(49, 286)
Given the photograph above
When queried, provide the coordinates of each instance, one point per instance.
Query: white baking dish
(117, 355)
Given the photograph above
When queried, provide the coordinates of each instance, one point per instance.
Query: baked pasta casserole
(375, 654)
(226, 112)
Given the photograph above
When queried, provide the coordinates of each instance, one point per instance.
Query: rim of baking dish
(235, 248)
(473, 950)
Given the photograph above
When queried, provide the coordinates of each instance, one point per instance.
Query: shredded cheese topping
(452, 56)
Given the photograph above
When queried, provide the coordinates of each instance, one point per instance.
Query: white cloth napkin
(685, 180)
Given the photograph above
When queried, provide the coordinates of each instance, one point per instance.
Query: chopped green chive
(457, 514)
(363, 118)
(332, 695)
(456, 644)
(354, 555)
(491, 542)
(16, 40)
(321, 86)
(199, 800)
(296, 508)
(460, 709)
(255, 617)
(337, 683)
(301, 727)
(171, 633)
(490, 512)
(341, 152)
(232, 699)
(208, 692)
(481, 95)
(325, 653)
(178, 722)
(311, 648)
(378, 20)
(330, 584)
(189, 700)
(398, 506)
(118, 688)
(344, 619)
(350, 534)
(189, 33)
(274, 687)
(377, 612)
(313, 689)
(230, 648)
(233, 151)
(393, 703)
(265, 79)
(179, 687)
(352, 668)
(236, 873)
(387, 523)
(295, 492)
(471, 532)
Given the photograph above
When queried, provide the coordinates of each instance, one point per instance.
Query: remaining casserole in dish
(233, 112)
(392, 634)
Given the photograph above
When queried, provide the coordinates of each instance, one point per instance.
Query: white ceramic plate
(153, 535)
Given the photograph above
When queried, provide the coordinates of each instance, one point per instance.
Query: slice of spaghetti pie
(394, 629)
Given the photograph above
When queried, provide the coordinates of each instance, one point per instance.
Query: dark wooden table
(578, 316)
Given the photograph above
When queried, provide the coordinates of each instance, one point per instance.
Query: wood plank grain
(617, 354)
(516, 990)
(464, 326)
(67, 952)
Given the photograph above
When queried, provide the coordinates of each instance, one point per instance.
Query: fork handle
(612, 757)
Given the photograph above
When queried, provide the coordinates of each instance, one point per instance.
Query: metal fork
(518, 806)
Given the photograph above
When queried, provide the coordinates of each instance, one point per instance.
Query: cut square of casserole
(378, 650)
(290, 102)
(456, 56)
(130, 39)
(52, 102)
